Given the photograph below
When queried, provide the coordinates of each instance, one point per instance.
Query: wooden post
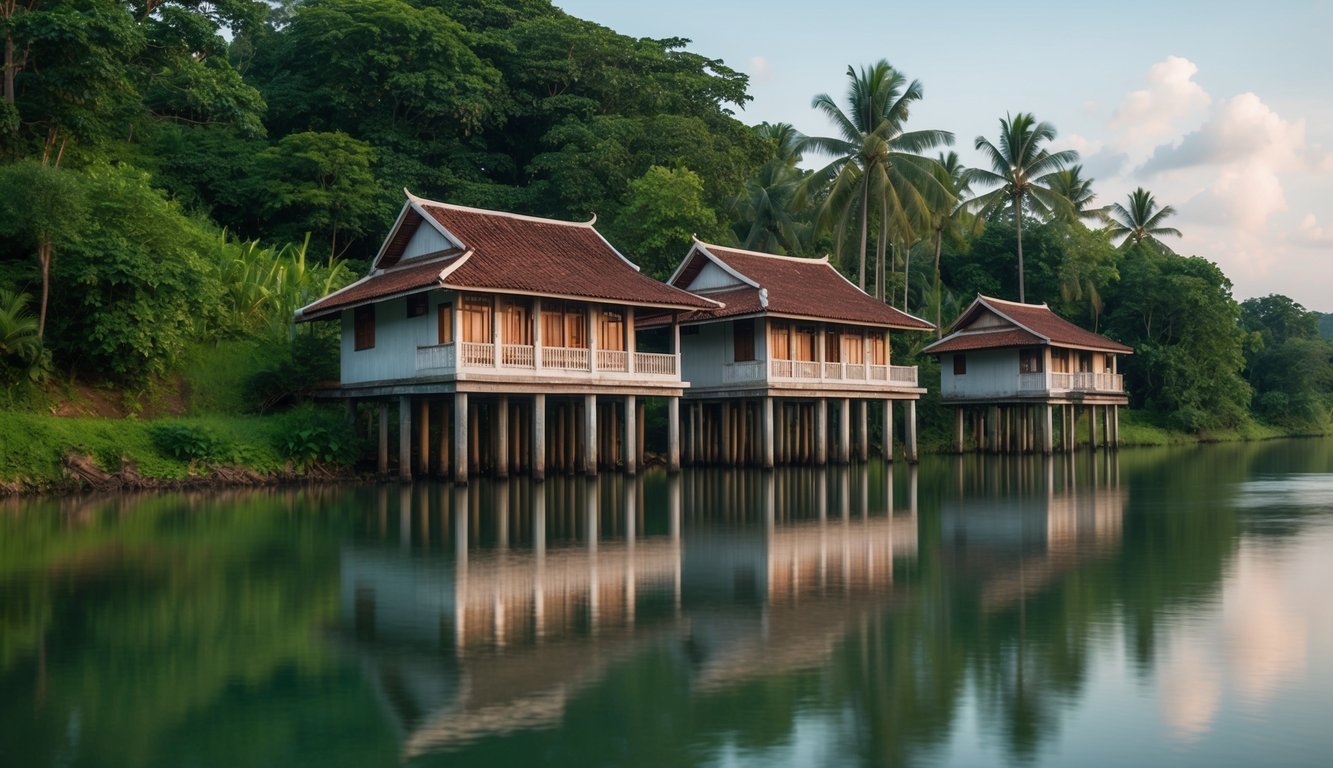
(590, 434)
(461, 457)
(1115, 427)
(405, 438)
(673, 434)
(821, 432)
(501, 439)
(958, 430)
(844, 430)
(766, 438)
(382, 456)
(888, 430)
(538, 457)
(445, 437)
(863, 437)
(631, 435)
(423, 436)
(910, 426)
(474, 439)
(1092, 427)
(726, 433)
(1047, 427)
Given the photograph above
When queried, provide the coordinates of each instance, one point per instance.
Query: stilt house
(520, 331)
(1009, 366)
(792, 337)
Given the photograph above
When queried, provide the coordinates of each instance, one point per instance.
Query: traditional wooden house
(791, 336)
(507, 323)
(1008, 365)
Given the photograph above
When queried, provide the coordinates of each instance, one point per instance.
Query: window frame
(363, 327)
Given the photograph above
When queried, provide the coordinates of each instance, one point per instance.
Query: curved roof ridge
(989, 299)
(506, 214)
(805, 259)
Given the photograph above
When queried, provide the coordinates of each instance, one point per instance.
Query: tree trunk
(865, 222)
(939, 296)
(1018, 224)
(9, 68)
(907, 272)
(44, 258)
(881, 292)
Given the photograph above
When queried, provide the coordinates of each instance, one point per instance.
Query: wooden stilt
(405, 439)
(538, 444)
(461, 420)
(382, 455)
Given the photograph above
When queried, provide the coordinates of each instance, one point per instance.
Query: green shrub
(312, 436)
(189, 442)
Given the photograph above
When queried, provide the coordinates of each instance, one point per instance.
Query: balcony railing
(473, 355)
(805, 370)
(1071, 382)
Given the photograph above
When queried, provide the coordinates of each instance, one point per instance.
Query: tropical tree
(1142, 220)
(944, 221)
(20, 344)
(44, 209)
(1076, 192)
(1021, 173)
(875, 159)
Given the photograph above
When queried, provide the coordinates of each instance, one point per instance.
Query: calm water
(1156, 608)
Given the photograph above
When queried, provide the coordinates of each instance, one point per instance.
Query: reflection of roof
(1025, 325)
(785, 285)
(507, 253)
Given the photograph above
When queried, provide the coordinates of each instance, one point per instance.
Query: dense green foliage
(160, 165)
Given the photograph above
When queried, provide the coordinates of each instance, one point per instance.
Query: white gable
(425, 240)
(712, 276)
(986, 320)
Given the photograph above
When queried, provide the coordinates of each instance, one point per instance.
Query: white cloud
(1311, 232)
(1240, 129)
(1152, 114)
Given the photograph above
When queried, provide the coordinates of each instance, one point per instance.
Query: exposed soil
(78, 399)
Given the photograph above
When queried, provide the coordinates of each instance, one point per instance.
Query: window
(853, 347)
(515, 321)
(1085, 362)
(779, 340)
(1029, 361)
(445, 323)
(959, 365)
(363, 321)
(742, 340)
(417, 305)
(611, 330)
(1059, 361)
(477, 316)
(564, 324)
(832, 346)
(805, 343)
(878, 350)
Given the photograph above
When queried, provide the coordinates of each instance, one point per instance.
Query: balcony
(813, 372)
(518, 359)
(1031, 383)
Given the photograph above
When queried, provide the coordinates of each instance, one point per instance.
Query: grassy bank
(45, 452)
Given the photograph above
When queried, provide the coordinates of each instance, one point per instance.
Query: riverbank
(45, 453)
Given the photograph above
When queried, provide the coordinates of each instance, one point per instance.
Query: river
(1156, 607)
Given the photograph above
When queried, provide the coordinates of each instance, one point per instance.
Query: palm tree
(767, 211)
(20, 339)
(1142, 220)
(874, 159)
(1076, 196)
(1021, 174)
(953, 176)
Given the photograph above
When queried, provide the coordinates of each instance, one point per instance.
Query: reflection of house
(1009, 363)
(462, 302)
(485, 641)
(791, 337)
(1024, 540)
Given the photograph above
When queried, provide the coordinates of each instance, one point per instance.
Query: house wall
(397, 337)
(704, 355)
(712, 276)
(990, 373)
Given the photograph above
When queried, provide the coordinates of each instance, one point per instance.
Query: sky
(1221, 109)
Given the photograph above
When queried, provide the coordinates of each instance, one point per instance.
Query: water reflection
(1150, 608)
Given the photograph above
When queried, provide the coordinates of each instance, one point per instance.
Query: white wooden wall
(397, 337)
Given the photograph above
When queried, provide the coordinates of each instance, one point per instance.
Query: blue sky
(1222, 109)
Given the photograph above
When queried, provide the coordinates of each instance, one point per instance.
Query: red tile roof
(513, 254)
(1003, 337)
(1037, 320)
(793, 286)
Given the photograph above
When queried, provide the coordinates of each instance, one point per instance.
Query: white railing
(654, 364)
(517, 356)
(478, 354)
(1071, 382)
(435, 357)
(805, 370)
(612, 360)
(736, 373)
(565, 358)
(903, 374)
